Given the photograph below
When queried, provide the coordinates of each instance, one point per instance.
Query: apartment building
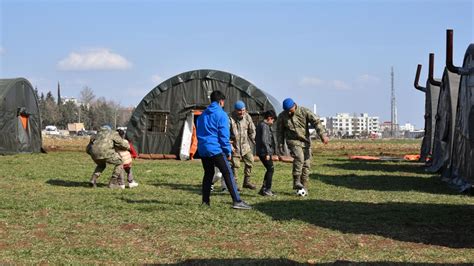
(344, 124)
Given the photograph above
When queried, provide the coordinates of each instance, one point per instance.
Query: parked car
(51, 130)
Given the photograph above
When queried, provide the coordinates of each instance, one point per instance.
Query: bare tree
(86, 96)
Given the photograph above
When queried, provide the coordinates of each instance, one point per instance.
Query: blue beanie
(239, 105)
(288, 103)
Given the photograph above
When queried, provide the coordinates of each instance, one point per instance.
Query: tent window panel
(157, 122)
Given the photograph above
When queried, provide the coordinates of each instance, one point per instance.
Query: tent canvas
(462, 164)
(20, 122)
(431, 105)
(445, 121)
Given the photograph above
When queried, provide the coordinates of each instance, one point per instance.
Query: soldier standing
(292, 127)
(242, 131)
(102, 150)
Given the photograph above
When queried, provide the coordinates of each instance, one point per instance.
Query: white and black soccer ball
(302, 192)
(217, 177)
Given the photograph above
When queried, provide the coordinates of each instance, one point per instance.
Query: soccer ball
(302, 192)
(217, 177)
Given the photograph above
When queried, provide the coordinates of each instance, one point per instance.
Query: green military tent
(20, 122)
(462, 165)
(445, 122)
(445, 119)
(167, 111)
(431, 105)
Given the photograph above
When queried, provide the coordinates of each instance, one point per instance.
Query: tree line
(93, 112)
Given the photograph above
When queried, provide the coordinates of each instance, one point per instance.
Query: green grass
(356, 211)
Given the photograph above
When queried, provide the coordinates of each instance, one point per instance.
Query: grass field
(361, 212)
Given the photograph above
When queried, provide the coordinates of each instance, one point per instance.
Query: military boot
(304, 182)
(297, 182)
(93, 182)
(247, 184)
(115, 182)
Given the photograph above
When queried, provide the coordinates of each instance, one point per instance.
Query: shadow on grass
(433, 224)
(378, 166)
(387, 183)
(69, 183)
(176, 186)
(242, 261)
(142, 201)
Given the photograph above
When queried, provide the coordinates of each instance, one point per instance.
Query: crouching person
(101, 148)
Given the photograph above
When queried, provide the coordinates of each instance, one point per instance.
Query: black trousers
(267, 179)
(221, 162)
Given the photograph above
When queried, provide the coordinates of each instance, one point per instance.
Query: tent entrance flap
(184, 152)
(24, 121)
(23, 135)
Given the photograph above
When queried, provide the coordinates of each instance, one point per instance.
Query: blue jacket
(212, 130)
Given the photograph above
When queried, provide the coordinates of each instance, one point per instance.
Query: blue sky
(336, 54)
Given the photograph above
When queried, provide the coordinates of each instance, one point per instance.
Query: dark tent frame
(20, 121)
(157, 123)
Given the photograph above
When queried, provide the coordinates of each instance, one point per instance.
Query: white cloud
(313, 82)
(339, 85)
(366, 78)
(156, 79)
(94, 59)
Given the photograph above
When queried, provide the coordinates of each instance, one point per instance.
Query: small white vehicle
(51, 130)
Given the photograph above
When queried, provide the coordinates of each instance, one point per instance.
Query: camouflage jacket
(295, 130)
(242, 134)
(103, 145)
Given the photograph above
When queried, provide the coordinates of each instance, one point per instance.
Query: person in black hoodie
(265, 148)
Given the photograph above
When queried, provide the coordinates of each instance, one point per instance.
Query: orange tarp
(366, 158)
(410, 157)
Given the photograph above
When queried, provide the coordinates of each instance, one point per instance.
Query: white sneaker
(132, 184)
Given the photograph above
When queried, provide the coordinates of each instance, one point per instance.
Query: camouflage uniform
(242, 133)
(102, 150)
(294, 129)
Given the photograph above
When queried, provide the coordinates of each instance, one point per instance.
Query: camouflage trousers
(117, 174)
(248, 162)
(301, 163)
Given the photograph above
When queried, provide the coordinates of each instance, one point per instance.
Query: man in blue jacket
(213, 134)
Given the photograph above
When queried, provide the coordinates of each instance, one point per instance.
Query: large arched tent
(20, 122)
(463, 150)
(157, 124)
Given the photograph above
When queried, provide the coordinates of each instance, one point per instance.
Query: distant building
(388, 130)
(70, 99)
(344, 124)
(407, 127)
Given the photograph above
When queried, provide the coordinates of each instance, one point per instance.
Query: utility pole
(393, 119)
